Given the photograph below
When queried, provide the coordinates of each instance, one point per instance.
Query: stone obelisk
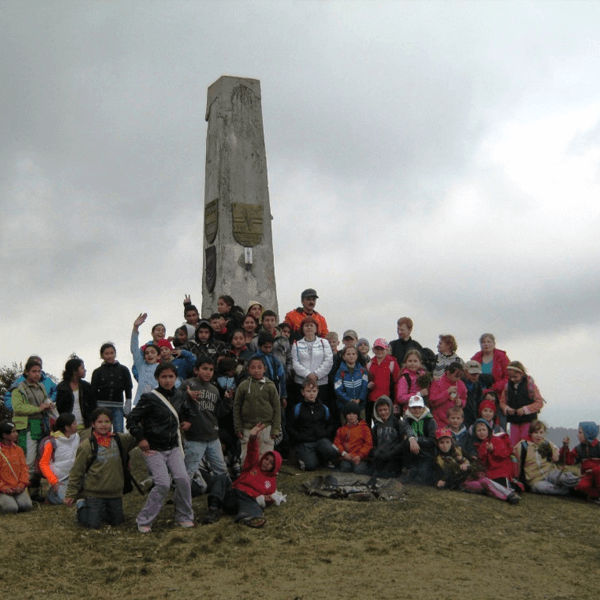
(238, 242)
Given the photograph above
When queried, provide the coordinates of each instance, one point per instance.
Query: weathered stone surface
(237, 211)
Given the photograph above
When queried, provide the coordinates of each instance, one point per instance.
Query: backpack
(128, 479)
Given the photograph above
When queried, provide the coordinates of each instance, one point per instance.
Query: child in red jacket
(494, 453)
(353, 441)
(384, 372)
(254, 489)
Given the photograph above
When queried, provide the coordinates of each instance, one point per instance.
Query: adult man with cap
(471, 380)
(294, 318)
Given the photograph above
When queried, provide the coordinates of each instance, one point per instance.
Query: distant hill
(557, 434)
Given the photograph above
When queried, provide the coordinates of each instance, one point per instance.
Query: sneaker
(212, 516)
(186, 524)
(144, 529)
(513, 498)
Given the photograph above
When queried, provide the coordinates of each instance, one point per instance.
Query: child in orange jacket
(14, 472)
(353, 441)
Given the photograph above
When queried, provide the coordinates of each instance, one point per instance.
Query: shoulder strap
(94, 446)
(9, 465)
(297, 409)
(172, 409)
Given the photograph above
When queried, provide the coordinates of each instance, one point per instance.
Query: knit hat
(164, 344)
(362, 341)
(487, 404)
(590, 430)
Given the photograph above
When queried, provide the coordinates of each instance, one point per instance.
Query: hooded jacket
(211, 348)
(496, 461)
(253, 480)
(388, 435)
(256, 402)
(424, 428)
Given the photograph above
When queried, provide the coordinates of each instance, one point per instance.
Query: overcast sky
(444, 155)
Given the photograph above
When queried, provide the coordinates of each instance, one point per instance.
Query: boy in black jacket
(310, 430)
(389, 436)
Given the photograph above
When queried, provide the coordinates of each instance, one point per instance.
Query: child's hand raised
(141, 318)
(257, 429)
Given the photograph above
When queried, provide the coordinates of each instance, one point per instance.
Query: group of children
(220, 404)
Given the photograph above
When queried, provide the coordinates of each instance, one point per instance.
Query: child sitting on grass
(536, 460)
(14, 472)
(419, 450)
(586, 454)
(310, 430)
(493, 451)
(254, 489)
(453, 471)
(456, 423)
(389, 435)
(353, 441)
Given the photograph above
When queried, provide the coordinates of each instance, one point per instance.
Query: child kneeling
(98, 468)
(255, 488)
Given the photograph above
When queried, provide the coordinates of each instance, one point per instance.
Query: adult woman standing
(446, 355)
(493, 363)
(74, 395)
(312, 358)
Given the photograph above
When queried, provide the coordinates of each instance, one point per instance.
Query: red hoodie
(253, 480)
(497, 462)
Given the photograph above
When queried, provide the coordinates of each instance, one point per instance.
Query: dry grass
(433, 544)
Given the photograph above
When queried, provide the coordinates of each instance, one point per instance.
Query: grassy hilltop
(431, 544)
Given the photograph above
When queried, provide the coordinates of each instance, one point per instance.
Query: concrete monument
(238, 242)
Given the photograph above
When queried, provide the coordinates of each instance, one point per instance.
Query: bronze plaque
(210, 260)
(247, 223)
(211, 220)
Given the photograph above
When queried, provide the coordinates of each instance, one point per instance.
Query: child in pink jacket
(446, 392)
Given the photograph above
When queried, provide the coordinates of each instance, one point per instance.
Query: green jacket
(256, 402)
(104, 478)
(22, 408)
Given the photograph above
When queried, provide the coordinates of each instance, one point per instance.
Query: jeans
(93, 511)
(58, 497)
(196, 451)
(117, 419)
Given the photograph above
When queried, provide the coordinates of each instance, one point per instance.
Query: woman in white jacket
(312, 358)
